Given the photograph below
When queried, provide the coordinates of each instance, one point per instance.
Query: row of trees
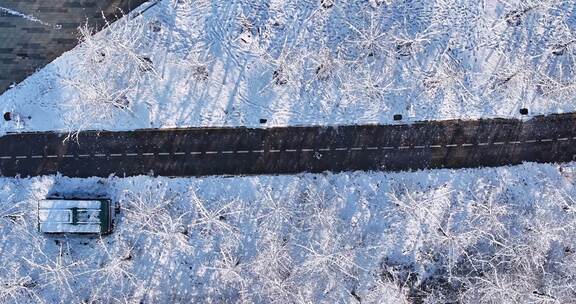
(358, 55)
(396, 240)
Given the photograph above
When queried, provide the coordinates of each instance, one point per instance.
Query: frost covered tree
(115, 278)
(153, 216)
(114, 64)
(57, 272)
(17, 288)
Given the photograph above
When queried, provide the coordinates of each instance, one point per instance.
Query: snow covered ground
(503, 235)
(229, 63)
(500, 235)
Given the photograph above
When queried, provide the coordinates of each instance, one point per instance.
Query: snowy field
(498, 235)
(503, 235)
(229, 63)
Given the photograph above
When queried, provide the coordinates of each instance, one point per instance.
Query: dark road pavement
(242, 151)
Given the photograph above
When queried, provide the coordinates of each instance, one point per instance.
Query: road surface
(243, 151)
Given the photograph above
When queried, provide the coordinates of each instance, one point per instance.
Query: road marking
(372, 148)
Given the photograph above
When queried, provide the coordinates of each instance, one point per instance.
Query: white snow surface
(496, 235)
(504, 235)
(303, 62)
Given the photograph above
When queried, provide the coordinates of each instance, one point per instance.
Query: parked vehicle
(78, 216)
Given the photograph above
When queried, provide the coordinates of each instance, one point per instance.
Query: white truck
(78, 216)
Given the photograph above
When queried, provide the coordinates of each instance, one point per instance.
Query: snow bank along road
(221, 151)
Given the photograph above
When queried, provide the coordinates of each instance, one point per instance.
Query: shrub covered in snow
(472, 236)
(212, 63)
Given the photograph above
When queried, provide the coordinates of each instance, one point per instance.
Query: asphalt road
(242, 151)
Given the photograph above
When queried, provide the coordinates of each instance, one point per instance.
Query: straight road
(243, 151)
